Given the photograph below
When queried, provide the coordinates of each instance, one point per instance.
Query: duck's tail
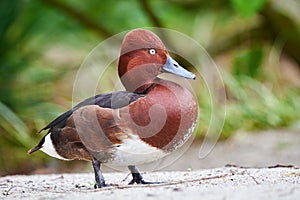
(37, 147)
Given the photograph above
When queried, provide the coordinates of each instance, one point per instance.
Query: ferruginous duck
(152, 118)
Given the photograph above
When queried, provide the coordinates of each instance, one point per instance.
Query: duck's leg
(137, 177)
(100, 182)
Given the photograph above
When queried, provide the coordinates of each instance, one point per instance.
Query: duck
(148, 121)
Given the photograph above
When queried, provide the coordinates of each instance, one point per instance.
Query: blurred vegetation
(43, 42)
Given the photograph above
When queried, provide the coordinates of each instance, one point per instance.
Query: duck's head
(143, 57)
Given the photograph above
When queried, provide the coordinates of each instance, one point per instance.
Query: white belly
(134, 151)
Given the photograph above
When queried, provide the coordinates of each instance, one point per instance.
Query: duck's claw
(142, 182)
(137, 177)
(101, 185)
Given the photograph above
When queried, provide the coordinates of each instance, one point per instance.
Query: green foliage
(247, 8)
(248, 62)
(12, 124)
(36, 77)
(23, 84)
(252, 106)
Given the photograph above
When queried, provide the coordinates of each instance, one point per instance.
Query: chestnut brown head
(143, 57)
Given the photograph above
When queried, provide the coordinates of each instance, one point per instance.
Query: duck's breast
(165, 117)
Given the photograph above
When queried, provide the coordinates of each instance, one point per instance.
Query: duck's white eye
(152, 51)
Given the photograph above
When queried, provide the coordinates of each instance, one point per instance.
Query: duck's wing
(109, 100)
(60, 128)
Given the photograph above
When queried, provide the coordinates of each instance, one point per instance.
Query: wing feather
(109, 100)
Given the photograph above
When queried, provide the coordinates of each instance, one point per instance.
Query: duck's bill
(173, 67)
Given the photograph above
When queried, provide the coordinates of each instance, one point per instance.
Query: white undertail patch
(49, 149)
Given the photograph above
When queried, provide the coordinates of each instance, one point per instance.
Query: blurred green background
(43, 42)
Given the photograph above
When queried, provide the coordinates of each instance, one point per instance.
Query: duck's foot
(101, 185)
(137, 177)
(100, 182)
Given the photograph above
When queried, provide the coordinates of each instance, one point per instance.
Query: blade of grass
(14, 126)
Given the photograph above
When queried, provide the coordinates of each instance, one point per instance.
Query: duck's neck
(138, 80)
(137, 74)
(144, 88)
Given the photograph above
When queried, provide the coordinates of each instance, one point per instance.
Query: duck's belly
(134, 151)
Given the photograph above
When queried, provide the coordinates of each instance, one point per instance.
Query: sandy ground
(186, 175)
(219, 183)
